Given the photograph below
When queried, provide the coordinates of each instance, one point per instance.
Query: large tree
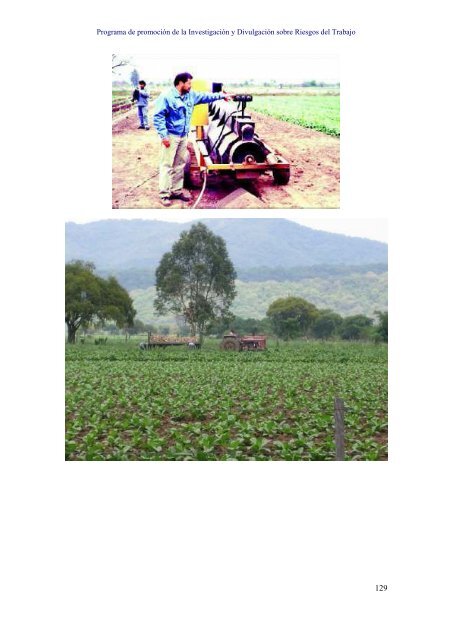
(196, 279)
(92, 298)
(291, 317)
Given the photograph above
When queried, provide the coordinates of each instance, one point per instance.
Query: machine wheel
(230, 344)
(281, 176)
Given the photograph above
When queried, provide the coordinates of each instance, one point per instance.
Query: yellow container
(200, 113)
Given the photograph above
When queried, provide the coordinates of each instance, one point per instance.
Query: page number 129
(381, 587)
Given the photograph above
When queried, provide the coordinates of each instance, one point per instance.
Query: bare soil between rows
(314, 159)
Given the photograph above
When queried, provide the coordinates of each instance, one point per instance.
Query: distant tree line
(294, 317)
(93, 302)
(328, 325)
(251, 82)
(291, 318)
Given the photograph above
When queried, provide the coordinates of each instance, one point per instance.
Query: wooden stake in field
(339, 433)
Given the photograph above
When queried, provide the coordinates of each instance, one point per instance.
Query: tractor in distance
(233, 342)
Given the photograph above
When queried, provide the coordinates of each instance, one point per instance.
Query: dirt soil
(314, 158)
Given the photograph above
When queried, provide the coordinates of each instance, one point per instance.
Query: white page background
(255, 550)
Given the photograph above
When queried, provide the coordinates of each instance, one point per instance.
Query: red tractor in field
(233, 342)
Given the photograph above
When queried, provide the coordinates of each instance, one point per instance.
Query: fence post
(339, 434)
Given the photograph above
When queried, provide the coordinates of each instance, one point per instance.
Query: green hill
(347, 295)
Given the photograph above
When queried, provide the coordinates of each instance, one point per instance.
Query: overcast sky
(233, 68)
(372, 228)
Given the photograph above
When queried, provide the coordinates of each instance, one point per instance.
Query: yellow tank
(200, 113)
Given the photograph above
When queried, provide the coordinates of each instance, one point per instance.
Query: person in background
(142, 98)
(172, 116)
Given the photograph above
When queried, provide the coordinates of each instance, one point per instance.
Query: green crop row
(319, 112)
(179, 404)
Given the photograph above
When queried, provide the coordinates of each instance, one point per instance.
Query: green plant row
(320, 112)
(176, 404)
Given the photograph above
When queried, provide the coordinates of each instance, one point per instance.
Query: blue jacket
(143, 98)
(173, 111)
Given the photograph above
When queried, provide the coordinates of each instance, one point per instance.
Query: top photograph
(199, 135)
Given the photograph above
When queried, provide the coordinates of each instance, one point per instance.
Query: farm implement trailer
(223, 140)
(164, 341)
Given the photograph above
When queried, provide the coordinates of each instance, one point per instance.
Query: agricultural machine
(223, 140)
(233, 342)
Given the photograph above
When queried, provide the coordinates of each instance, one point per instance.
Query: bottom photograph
(226, 339)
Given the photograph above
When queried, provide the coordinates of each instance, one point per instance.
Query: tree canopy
(326, 324)
(196, 279)
(291, 317)
(91, 298)
(356, 327)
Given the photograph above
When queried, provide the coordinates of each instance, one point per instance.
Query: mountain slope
(347, 295)
(252, 243)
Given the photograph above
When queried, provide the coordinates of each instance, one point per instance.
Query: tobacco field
(179, 404)
(319, 112)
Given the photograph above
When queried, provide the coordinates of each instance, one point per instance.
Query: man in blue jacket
(172, 117)
(142, 104)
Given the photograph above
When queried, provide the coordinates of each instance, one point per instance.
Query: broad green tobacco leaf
(126, 404)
